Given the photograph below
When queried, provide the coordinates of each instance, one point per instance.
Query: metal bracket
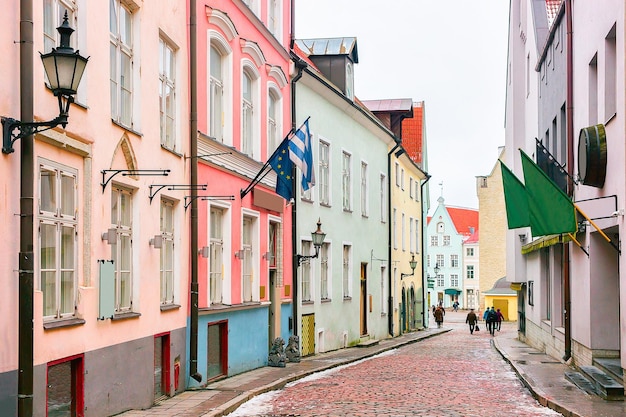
(125, 172)
(189, 199)
(172, 187)
(9, 125)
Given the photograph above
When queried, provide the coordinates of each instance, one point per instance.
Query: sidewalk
(542, 374)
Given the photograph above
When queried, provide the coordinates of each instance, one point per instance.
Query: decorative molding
(252, 49)
(221, 20)
(277, 74)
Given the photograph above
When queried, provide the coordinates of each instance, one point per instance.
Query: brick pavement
(543, 377)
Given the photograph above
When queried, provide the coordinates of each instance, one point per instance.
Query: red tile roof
(412, 133)
(465, 220)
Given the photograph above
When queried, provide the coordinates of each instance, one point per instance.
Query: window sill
(322, 204)
(170, 150)
(128, 129)
(347, 298)
(326, 300)
(347, 210)
(125, 316)
(169, 307)
(308, 302)
(306, 200)
(61, 323)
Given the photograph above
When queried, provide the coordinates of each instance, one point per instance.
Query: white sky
(451, 54)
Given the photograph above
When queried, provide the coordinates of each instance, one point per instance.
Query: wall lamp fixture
(64, 68)
(413, 265)
(156, 242)
(318, 238)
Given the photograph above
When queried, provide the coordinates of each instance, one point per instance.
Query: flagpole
(256, 179)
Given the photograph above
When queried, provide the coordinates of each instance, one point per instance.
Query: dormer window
(349, 80)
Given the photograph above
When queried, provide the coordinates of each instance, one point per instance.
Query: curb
(538, 394)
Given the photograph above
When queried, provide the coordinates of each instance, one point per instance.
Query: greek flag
(301, 154)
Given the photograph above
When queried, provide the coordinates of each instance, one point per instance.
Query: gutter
(389, 237)
(424, 270)
(193, 150)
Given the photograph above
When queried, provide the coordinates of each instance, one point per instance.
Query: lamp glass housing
(64, 71)
(318, 236)
(413, 262)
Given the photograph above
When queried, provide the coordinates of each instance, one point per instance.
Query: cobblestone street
(455, 374)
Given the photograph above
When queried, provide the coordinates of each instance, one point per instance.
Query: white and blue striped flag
(301, 154)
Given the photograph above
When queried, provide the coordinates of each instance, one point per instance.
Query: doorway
(363, 299)
(217, 350)
(161, 366)
(64, 388)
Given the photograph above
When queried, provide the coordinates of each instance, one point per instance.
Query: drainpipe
(26, 265)
(424, 269)
(570, 185)
(193, 149)
(390, 237)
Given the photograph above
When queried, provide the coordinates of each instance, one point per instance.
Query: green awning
(452, 291)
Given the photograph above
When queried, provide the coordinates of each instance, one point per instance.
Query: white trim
(221, 20)
(252, 49)
(277, 74)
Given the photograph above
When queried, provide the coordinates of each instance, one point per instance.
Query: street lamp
(318, 238)
(437, 269)
(64, 68)
(413, 265)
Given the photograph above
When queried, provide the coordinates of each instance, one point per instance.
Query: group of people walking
(492, 318)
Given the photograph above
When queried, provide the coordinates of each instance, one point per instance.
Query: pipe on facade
(193, 149)
(389, 237)
(300, 65)
(26, 255)
(424, 269)
(570, 165)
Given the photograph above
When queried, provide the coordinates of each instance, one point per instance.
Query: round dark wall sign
(592, 156)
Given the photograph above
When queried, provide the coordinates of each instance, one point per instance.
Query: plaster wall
(335, 121)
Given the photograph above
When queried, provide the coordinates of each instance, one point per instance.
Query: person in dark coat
(499, 319)
(492, 318)
(439, 316)
(471, 320)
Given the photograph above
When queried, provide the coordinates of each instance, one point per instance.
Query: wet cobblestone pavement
(453, 374)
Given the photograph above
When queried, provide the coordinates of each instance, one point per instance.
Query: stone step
(581, 382)
(607, 387)
(368, 343)
(611, 366)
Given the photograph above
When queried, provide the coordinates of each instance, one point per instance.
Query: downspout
(26, 255)
(300, 65)
(193, 149)
(424, 269)
(389, 238)
(570, 184)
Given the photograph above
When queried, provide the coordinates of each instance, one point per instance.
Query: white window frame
(324, 178)
(434, 240)
(124, 232)
(441, 260)
(446, 240)
(168, 256)
(60, 219)
(346, 175)
(216, 254)
(249, 144)
(469, 252)
(394, 229)
(454, 280)
(346, 270)
(397, 174)
(325, 272)
(275, 18)
(274, 118)
(469, 272)
(440, 280)
(364, 190)
(403, 231)
(167, 88)
(383, 198)
(219, 120)
(121, 47)
(411, 236)
(250, 281)
(305, 273)
(167, 84)
(454, 261)
(411, 188)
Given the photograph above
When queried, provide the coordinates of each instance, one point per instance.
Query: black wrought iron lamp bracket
(125, 172)
(301, 258)
(172, 187)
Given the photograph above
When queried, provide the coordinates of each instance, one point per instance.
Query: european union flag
(283, 167)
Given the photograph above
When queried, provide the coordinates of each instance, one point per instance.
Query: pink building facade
(109, 248)
(245, 264)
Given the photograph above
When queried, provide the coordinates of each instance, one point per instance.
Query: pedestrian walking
(492, 318)
(439, 313)
(471, 320)
(434, 309)
(485, 314)
(499, 319)
(455, 306)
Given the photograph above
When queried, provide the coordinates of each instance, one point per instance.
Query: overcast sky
(451, 54)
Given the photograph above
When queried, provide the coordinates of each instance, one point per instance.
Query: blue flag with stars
(283, 167)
